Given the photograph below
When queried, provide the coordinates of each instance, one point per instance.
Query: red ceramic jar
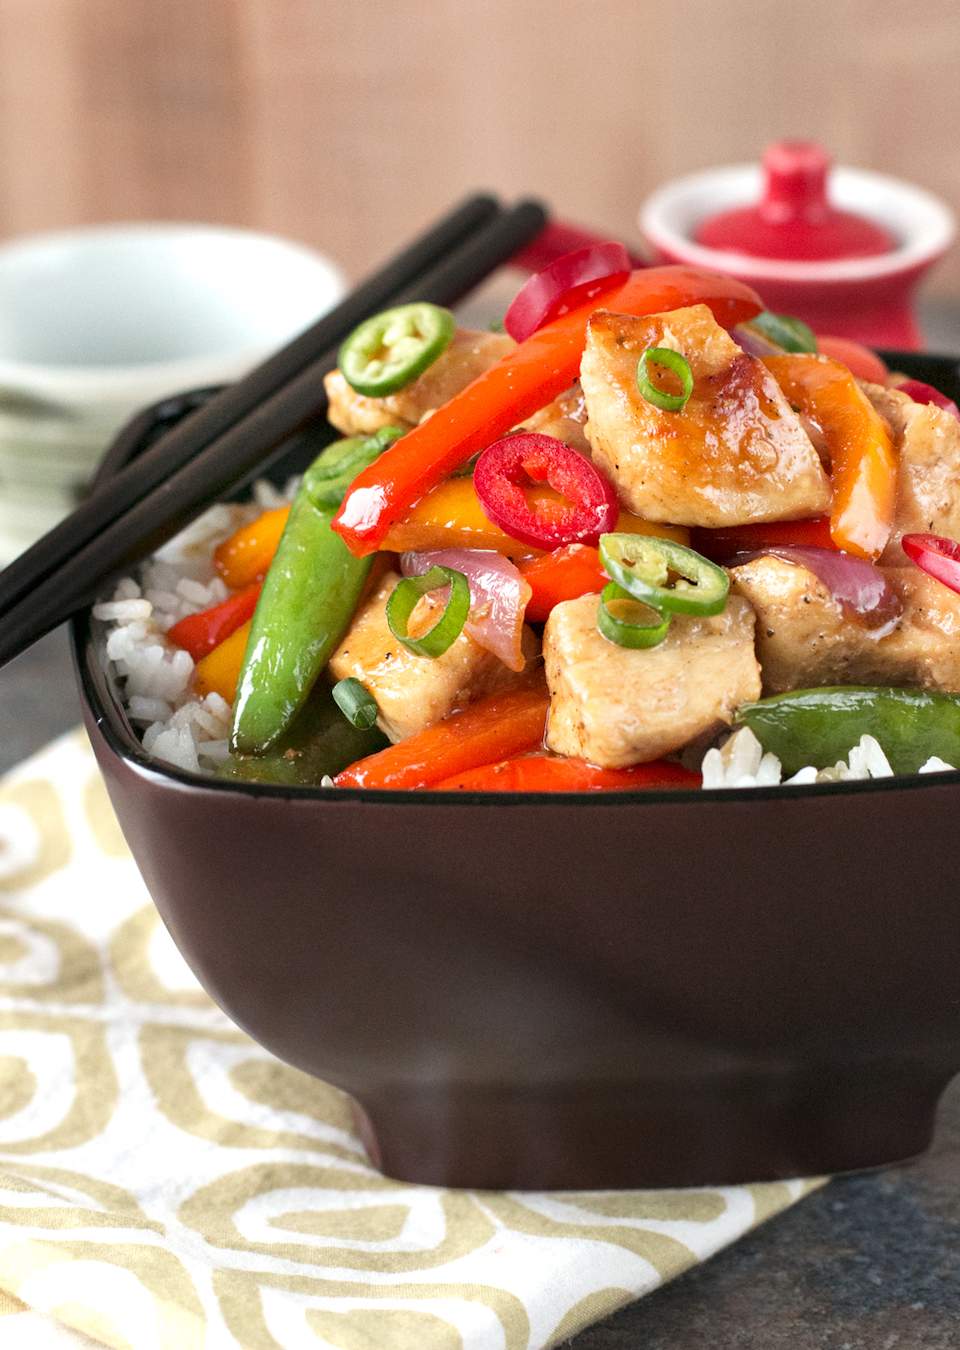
(845, 254)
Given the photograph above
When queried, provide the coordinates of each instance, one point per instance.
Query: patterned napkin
(165, 1184)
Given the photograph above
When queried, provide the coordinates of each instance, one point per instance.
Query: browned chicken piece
(616, 706)
(469, 355)
(565, 418)
(804, 639)
(928, 490)
(736, 452)
(413, 692)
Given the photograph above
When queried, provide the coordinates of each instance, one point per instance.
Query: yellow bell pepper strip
(450, 516)
(247, 554)
(219, 671)
(524, 380)
(493, 728)
(863, 458)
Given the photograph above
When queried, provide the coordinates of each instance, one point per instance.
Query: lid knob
(794, 219)
(796, 181)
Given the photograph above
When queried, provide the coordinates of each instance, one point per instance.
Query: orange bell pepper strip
(550, 773)
(524, 380)
(219, 671)
(493, 728)
(247, 554)
(451, 516)
(864, 462)
(200, 633)
(719, 545)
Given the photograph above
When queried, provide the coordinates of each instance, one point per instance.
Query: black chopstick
(182, 443)
(245, 449)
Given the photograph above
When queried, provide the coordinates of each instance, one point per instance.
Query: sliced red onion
(925, 393)
(755, 343)
(859, 587)
(568, 281)
(498, 597)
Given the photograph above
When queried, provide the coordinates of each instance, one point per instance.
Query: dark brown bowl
(588, 991)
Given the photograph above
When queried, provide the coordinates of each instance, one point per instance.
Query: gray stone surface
(870, 1263)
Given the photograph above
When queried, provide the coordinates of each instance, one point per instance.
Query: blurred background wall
(348, 125)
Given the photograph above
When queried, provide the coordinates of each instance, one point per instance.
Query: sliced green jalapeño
(393, 348)
(667, 576)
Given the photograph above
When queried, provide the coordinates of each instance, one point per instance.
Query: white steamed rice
(157, 677)
(742, 762)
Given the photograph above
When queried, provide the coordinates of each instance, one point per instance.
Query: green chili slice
(391, 349)
(357, 704)
(667, 576)
(793, 335)
(328, 477)
(625, 632)
(448, 627)
(673, 361)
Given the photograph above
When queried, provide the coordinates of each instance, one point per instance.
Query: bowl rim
(860, 189)
(97, 695)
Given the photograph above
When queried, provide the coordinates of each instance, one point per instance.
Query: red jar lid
(794, 220)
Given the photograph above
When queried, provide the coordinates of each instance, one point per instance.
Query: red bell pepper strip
(492, 728)
(590, 506)
(521, 382)
(719, 545)
(549, 773)
(200, 633)
(565, 574)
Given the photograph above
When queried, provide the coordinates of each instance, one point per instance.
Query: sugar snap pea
(821, 726)
(320, 742)
(308, 599)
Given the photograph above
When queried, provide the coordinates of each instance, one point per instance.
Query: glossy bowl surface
(637, 989)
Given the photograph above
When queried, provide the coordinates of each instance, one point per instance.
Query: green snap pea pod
(320, 742)
(821, 726)
(308, 599)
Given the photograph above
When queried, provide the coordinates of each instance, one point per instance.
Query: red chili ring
(505, 468)
(568, 281)
(935, 555)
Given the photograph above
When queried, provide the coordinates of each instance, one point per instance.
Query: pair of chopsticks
(241, 430)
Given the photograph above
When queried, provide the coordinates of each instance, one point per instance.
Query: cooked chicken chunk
(928, 490)
(804, 639)
(735, 453)
(469, 355)
(413, 692)
(616, 706)
(565, 418)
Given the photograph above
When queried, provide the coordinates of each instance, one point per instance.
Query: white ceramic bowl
(116, 316)
(98, 322)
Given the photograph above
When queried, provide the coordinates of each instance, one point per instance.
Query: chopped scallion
(672, 361)
(357, 704)
(448, 627)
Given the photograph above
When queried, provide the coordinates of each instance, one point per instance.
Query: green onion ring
(448, 627)
(622, 631)
(662, 398)
(357, 704)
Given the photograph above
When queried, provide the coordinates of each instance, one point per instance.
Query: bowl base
(679, 1133)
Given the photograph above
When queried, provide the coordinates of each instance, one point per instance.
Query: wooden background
(349, 124)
